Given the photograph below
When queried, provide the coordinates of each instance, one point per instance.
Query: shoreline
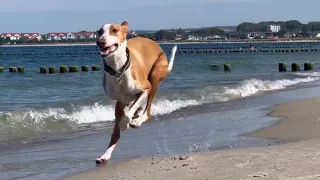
(170, 42)
(298, 123)
(292, 123)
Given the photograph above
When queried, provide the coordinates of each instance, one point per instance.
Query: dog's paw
(135, 123)
(101, 161)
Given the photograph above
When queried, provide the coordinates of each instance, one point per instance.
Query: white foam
(98, 112)
(89, 114)
(95, 113)
(166, 106)
(306, 74)
(254, 86)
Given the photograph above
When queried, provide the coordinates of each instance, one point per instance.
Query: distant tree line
(291, 26)
(164, 35)
(286, 26)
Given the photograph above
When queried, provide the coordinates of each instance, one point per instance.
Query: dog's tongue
(107, 51)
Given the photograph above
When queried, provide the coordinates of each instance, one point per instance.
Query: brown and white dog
(134, 69)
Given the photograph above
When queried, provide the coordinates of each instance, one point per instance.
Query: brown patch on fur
(119, 30)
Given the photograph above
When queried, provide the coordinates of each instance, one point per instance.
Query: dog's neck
(118, 58)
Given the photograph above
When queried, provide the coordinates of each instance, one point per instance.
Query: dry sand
(295, 161)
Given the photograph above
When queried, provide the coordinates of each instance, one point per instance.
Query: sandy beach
(297, 160)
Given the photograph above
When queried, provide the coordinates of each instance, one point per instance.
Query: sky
(75, 15)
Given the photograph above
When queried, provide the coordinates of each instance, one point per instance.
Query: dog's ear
(124, 26)
(125, 23)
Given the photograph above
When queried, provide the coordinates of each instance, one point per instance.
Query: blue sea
(53, 125)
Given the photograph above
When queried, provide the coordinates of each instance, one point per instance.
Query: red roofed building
(11, 36)
(70, 35)
(57, 35)
(85, 35)
(17, 36)
(31, 35)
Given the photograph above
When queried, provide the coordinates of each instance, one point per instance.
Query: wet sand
(295, 160)
(301, 121)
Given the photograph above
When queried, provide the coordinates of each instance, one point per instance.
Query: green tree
(246, 27)
(34, 41)
(147, 35)
(207, 32)
(293, 25)
(8, 39)
(23, 40)
(43, 37)
(181, 31)
(281, 33)
(312, 26)
(164, 35)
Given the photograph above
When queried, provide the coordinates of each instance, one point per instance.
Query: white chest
(124, 90)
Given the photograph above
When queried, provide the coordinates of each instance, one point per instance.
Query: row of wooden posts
(295, 67)
(282, 67)
(48, 54)
(226, 67)
(52, 69)
(243, 51)
(180, 51)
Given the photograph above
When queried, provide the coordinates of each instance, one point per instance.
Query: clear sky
(76, 15)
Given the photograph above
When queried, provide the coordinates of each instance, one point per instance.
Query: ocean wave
(21, 124)
(254, 86)
(306, 74)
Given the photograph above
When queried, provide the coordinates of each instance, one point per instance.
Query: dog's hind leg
(157, 74)
(115, 135)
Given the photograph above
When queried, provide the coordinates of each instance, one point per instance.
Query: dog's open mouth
(106, 51)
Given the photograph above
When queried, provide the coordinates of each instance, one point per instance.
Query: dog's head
(110, 37)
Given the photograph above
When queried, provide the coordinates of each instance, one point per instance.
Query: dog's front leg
(115, 135)
(114, 139)
(129, 111)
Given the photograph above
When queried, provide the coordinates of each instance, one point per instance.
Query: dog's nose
(101, 43)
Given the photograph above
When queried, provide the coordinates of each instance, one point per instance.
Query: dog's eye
(115, 30)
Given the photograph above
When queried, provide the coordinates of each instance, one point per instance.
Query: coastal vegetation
(289, 29)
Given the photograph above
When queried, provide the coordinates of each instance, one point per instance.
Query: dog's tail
(173, 53)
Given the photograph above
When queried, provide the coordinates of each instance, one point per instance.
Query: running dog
(134, 69)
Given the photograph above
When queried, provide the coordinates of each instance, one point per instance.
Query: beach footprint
(242, 165)
(259, 174)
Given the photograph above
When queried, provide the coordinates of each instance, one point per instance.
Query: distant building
(178, 37)
(70, 35)
(274, 28)
(194, 38)
(253, 35)
(288, 35)
(85, 35)
(233, 35)
(17, 36)
(56, 36)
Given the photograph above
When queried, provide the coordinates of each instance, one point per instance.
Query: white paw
(101, 160)
(135, 123)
